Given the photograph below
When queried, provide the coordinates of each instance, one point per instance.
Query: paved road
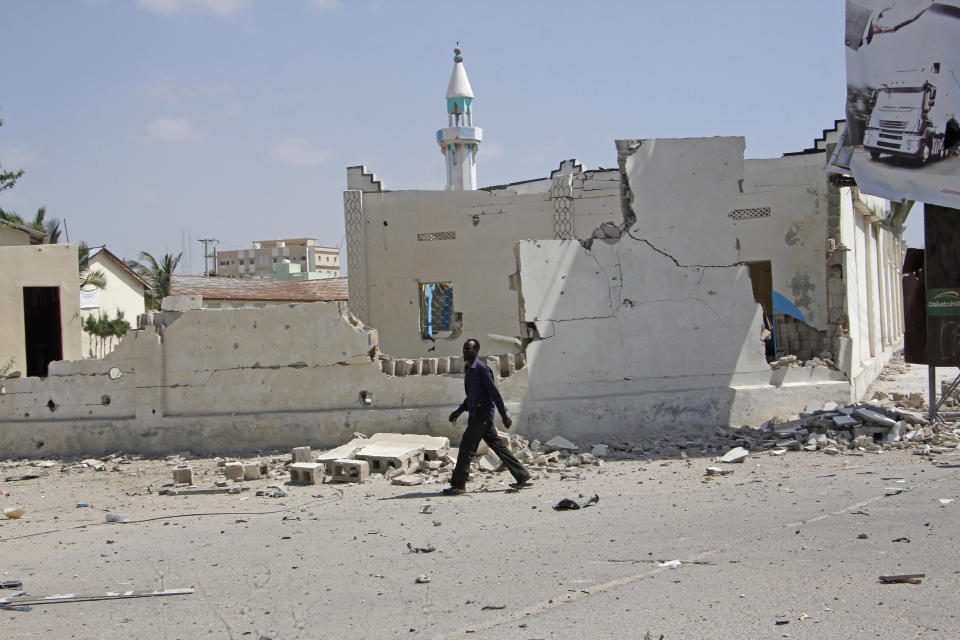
(775, 541)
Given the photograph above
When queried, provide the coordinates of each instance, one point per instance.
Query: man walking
(482, 397)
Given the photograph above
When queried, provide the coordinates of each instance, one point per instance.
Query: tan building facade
(261, 259)
(40, 316)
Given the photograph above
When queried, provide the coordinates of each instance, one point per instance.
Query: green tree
(8, 178)
(94, 278)
(158, 274)
(105, 330)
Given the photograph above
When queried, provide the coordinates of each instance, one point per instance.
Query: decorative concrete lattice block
(456, 364)
(183, 475)
(306, 473)
(494, 363)
(350, 470)
(443, 365)
(429, 366)
(388, 367)
(233, 471)
(302, 454)
(384, 456)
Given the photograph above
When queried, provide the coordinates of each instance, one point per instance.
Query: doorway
(41, 324)
(761, 277)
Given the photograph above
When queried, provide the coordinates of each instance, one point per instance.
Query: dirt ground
(784, 546)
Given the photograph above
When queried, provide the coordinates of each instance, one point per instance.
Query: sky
(150, 124)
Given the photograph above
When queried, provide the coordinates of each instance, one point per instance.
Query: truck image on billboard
(915, 112)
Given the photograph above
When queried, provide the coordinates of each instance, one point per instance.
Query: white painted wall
(794, 237)
(480, 261)
(122, 292)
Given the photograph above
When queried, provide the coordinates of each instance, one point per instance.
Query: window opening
(436, 309)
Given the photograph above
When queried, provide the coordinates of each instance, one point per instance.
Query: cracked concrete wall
(479, 261)
(229, 381)
(793, 237)
(651, 323)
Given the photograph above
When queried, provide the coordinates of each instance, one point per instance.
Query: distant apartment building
(260, 261)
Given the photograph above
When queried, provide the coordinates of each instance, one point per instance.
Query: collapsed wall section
(231, 381)
(651, 322)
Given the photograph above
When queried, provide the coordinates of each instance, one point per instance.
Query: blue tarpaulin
(781, 304)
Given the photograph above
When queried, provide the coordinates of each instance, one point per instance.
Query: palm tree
(158, 275)
(89, 278)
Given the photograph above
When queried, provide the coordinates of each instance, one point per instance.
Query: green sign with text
(943, 302)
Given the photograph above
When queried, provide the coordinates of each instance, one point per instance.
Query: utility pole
(209, 254)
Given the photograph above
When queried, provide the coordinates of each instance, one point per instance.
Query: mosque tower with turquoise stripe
(460, 141)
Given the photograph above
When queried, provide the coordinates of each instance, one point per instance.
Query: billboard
(902, 139)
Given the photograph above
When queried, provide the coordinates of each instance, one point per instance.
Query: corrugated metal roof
(217, 288)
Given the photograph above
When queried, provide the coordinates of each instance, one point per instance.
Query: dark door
(41, 322)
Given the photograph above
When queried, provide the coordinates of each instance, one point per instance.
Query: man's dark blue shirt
(482, 392)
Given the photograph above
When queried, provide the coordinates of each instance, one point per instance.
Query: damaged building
(684, 289)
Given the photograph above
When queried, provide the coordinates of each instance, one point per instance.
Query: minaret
(460, 140)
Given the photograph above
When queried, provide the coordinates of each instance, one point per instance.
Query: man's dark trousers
(480, 428)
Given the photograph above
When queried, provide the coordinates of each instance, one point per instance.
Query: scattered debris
(737, 454)
(907, 578)
(493, 607)
(571, 505)
(718, 471)
(671, 564)
(14, 512)
(116, 517)
(109, 595)
(427, 549)
(422, 579)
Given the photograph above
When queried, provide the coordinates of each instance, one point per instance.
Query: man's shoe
(454, 491)
(522, 482)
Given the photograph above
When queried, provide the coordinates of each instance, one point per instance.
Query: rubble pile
(863, 427)
(409, 459)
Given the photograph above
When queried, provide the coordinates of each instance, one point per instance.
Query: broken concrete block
(403, 367)
(342, 452)
(434, 447)
(448, 460)
(385, 455)
(388, 367)
(490, 462)
(844, 421)
(306, 473)
(483, 449)
(233, 471)
(874, 417)
(302, 454)
(254, 471)
(407, 480)
(394, 473)
(350, 471)
(737, 454)
(600, 450)
(183, 475)
(416, 366)
(430, 465)
(559, 443)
